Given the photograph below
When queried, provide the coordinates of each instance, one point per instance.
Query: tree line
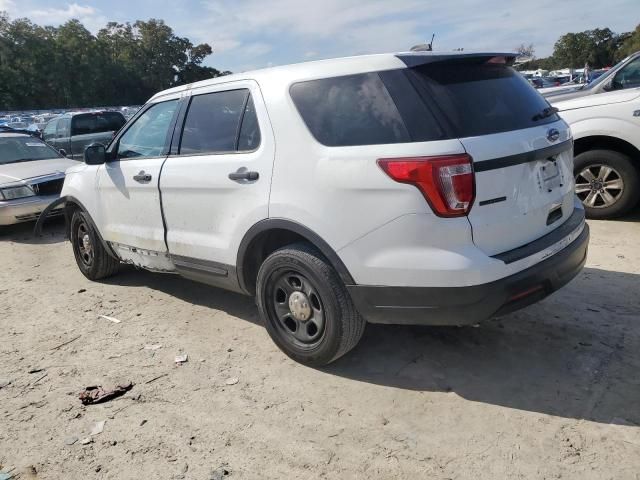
(45, 67)
(598, 48)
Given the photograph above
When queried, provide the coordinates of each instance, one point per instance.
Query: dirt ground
(552, 391)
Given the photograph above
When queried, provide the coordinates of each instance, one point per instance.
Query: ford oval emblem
(553, 134)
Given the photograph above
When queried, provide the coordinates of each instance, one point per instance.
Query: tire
(295, 282)
(607, 183)
(92, 258)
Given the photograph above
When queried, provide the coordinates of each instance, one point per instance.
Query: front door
(129, 201)
(217, 185)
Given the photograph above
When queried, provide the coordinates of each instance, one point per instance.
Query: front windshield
(24, 149)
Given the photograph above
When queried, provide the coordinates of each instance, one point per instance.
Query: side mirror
(63, 152)
(95, 154)
(607, 87)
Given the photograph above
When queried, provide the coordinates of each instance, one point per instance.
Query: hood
(571, 102)
(16, 172)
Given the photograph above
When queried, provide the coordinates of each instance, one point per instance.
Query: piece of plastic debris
(97, 428)
(155, 346)
(182, 358)
(97, 394)
(4, 382)
(35, 370)
(219, 473)
(6, 476)
(111, 319)
(70, 440)
(232, 381)
(86, 441)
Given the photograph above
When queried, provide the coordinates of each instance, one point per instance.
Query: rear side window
(220, 122)
(349, 110)
(481, 98)
(88, 123)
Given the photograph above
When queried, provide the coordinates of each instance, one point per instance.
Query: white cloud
(90, 17)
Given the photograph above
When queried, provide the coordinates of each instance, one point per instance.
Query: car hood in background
(571, 102)
(15, 172)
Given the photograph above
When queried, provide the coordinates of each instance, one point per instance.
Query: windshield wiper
(546, 113)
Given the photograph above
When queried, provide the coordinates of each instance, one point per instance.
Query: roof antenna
(424, 47)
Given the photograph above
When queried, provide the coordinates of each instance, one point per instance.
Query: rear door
(217, 184)
(522, 152)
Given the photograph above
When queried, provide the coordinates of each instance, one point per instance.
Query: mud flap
(37, 230)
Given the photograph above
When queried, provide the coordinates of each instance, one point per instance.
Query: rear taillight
(446, 182)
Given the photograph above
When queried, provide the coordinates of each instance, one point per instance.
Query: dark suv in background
(73, 132)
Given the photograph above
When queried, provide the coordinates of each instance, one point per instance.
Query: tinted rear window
(96, 123)
(353, 110)
(480, 99)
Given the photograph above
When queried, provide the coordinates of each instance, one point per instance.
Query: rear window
(87, 123)
(481, 99)
(355, 110)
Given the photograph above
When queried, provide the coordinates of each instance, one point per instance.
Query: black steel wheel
(91, 256)
(306, 307)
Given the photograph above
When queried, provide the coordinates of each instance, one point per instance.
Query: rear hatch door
(522, 151)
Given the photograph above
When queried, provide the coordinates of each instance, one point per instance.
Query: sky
(249, 34)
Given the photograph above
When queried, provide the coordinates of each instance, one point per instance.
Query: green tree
(630, 44)
(67, 66)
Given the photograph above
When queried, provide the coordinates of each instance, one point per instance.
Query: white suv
(412, 188)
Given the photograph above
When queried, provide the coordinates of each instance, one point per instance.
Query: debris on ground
(35, 370)
(86, 441)
(82, 290)
(6, 476)
(232, 380)
(97, 428)
(66, 343)
(219, 473)
(111, 319)
(4, 383)
(97, 394)
(70, 440)
(154, 346)
(180, 359)
(156, 378)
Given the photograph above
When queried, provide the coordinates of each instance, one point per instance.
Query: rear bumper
(470, 305)
(26, 209)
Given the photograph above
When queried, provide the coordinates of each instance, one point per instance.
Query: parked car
(72, 132)
(415, 188)
(605, 120)
(31, 177)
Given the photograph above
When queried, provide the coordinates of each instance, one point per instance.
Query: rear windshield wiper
(19, 160)
(546, 113)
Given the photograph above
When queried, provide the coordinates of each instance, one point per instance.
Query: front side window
(147, 136)
(220, 122)
(628, 76)
(349, 110)
(63, 127)
(50, 129)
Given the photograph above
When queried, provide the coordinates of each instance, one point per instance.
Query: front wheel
(92, 258)
(306, 308)
(607, 183)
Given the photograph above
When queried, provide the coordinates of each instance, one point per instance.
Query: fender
(284, 224)
(70, 199)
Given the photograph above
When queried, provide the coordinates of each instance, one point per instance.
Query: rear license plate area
(549, 177)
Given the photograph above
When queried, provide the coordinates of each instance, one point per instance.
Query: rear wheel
(607, 183)
(92, 258)
(306, 307)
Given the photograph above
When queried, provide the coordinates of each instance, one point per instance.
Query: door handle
(142, 177)
(242, 174)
